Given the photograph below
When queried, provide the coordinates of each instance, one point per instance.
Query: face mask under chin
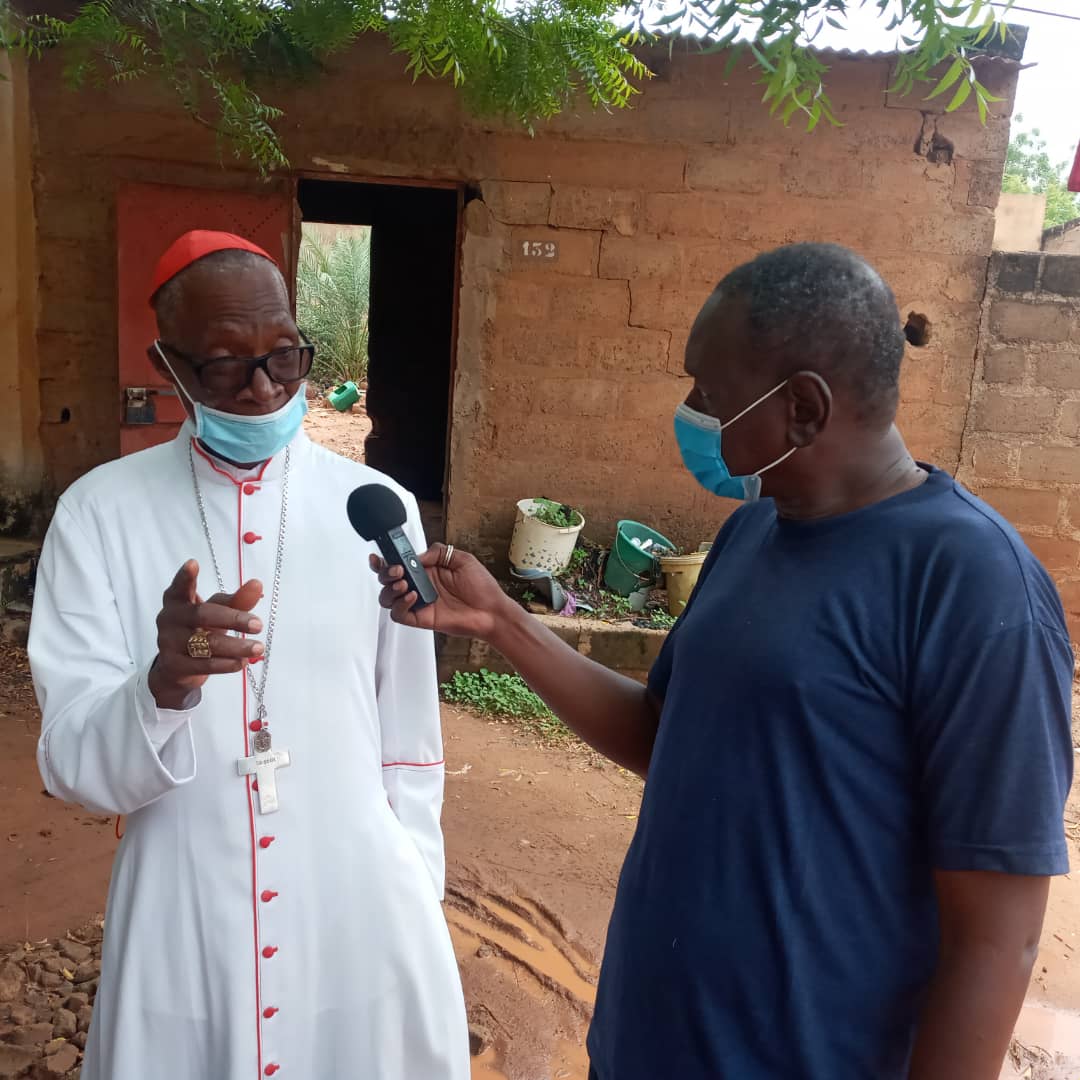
(250, 438)
(244, 439)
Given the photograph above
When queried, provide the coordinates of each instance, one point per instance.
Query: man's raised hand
(176, 676)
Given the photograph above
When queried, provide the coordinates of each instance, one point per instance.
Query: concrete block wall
(1021, 447)
(568, 371)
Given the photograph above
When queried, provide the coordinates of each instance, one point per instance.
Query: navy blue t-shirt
(849, 704)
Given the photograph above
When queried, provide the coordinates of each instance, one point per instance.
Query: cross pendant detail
(264, 763)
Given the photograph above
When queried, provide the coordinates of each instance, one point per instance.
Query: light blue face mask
(698, 436)
(245, 439)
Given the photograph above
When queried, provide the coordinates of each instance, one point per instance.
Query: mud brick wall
(1022, 444)
(569, 369)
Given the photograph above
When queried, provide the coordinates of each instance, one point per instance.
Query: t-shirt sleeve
(994, 747)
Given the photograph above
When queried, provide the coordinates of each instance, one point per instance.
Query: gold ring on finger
(448, 554)
(198, 646)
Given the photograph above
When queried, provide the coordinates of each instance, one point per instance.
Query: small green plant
(661, 620)
(555, 514)
(578, 558)
(505, 697)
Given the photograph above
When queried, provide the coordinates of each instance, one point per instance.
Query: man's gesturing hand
(175, 676)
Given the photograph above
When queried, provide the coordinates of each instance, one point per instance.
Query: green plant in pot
(545, 534)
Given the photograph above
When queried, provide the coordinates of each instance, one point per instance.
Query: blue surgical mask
(698, 436)
(245, 438)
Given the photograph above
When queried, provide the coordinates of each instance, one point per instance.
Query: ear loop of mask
(176, 379)
(754, 405)
(749, 408)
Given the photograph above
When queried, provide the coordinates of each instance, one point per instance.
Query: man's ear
(810, 406)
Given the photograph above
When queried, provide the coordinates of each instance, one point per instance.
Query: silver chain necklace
(259, 688)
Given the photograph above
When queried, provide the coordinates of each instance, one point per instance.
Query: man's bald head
(175, 304)
(808, 307)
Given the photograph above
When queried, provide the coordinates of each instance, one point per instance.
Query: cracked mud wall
(569, 367)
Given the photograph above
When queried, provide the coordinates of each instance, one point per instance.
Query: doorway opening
(407, 248)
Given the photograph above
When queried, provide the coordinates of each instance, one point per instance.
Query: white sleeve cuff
(160, 725)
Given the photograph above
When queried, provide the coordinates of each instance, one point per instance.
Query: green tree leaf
(525, 61)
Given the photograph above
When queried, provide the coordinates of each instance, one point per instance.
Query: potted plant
(545, 535)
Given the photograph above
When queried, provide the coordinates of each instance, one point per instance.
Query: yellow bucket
(680, 576)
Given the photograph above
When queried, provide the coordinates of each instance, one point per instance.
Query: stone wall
(568, 368)
(627, 649)
(1022, 443)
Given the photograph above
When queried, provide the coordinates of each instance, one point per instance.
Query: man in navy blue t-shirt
(856, 739)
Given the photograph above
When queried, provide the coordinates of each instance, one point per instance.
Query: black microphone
(377, 514)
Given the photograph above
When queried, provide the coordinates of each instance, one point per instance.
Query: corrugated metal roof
(1011, 50)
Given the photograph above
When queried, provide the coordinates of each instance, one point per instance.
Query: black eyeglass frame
(199, 364)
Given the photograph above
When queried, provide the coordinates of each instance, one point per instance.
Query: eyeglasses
(230, 374)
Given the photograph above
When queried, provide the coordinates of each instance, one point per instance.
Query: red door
(149, 217)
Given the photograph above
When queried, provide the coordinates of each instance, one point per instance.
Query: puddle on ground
(1052, 1039)
(1052, 1030)
(484, 1068)
(529, 943)
(568, 1062)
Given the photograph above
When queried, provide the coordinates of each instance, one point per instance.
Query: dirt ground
(344, 433)
(535, 839)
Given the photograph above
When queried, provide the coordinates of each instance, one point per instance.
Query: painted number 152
(539, 249)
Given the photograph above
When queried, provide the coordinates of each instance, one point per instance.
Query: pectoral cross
(264, 763)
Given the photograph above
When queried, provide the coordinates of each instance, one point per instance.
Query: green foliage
(504, 697)
(526, 61)
(333, 281)
(555, 514)
(661, 620)
(1028, 169)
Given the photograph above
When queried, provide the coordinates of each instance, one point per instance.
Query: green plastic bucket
(345, 396)
(628, 567)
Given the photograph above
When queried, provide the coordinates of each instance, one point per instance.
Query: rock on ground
(47, 993)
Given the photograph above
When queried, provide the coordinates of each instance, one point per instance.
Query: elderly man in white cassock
(272, 736)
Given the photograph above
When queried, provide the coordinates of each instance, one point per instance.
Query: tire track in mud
(531, 940)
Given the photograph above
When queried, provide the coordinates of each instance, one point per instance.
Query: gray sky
(1049, 93)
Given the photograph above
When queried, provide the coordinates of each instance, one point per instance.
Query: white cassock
(306, 944)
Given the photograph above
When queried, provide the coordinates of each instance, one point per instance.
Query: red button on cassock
(267, 895)
(269, 1011)
(251, 538)
(269, 951)
(250, 489)
(271, 1069)
(266, 841)
(255, 725)
(254, 785)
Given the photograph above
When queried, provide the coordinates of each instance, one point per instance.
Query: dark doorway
(414, 258)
